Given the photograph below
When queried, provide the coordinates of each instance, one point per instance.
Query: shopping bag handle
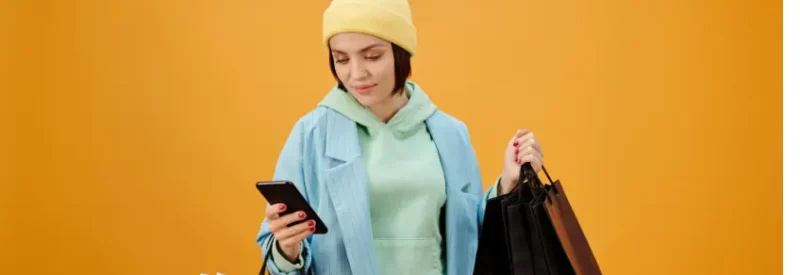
(526, 171)
(529, 186)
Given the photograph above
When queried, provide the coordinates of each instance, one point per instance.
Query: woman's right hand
(289, 239)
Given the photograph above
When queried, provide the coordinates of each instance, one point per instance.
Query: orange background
(138, 128)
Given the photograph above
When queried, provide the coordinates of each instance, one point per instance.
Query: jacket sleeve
(476, 187)
(289, 167)
(281, 262)
(492, 191)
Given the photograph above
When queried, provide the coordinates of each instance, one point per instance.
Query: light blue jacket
(322, 156)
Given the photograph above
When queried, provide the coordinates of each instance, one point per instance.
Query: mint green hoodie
(405, 181)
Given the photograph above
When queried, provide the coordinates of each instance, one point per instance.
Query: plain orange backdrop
(137, 129)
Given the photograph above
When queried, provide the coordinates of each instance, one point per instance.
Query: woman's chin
(366, 100)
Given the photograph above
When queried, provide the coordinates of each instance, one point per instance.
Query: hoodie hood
(407, 121)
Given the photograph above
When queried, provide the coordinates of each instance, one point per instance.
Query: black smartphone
(286, 193)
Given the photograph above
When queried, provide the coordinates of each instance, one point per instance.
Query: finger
(519, 134)
(529, 155)
(296, 239)
(530, 141)
(528, 150)
(274, 209)
(514, 141)
(519, 137)
(523, 151)
(538, 147)
(526, 143)
(534, 159)
(280, 223)
(289, 232)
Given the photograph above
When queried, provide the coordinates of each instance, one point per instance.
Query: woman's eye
(342, 61)
(373, 57)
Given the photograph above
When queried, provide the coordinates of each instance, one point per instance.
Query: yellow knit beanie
(386, 19)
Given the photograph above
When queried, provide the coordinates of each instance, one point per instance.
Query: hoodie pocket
(409, 255)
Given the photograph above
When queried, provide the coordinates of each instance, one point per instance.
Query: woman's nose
(358, 70)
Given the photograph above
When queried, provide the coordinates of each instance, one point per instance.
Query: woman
(395, 179)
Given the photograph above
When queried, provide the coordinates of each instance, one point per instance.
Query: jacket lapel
(346, 180)
(447, 143)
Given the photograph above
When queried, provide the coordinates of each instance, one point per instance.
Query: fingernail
(516, 151)
(311, 223)
(282, 207)
(516, 143)
(312, 229)
(301, 215)
(516, 160)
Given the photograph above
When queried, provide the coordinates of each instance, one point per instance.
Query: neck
(387, 109)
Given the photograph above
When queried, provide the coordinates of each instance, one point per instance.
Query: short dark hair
(402, 68)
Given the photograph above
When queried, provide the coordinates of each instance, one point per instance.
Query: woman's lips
(363, 89)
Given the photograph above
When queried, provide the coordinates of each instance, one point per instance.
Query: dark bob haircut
(402, 68)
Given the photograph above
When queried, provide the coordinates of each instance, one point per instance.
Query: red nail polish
(311, 223)
(302, 215)
(282, 207)
(312, 229)
(516, 160)
(516, 151)
(516, 143)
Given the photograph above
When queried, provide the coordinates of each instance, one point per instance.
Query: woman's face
(365, 65)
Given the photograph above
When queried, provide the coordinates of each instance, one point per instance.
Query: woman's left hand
(522, 148)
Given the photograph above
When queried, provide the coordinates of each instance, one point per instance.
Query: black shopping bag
(518, 235)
